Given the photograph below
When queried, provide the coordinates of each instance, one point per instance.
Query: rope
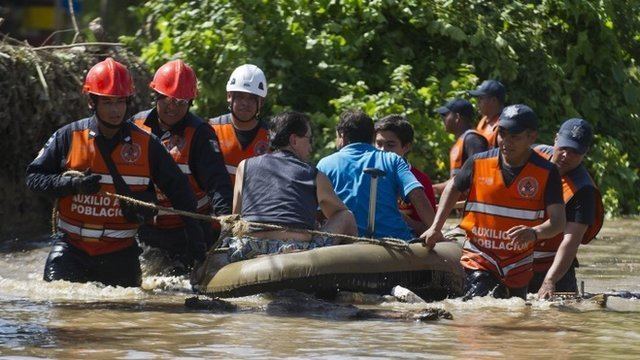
(238, 226)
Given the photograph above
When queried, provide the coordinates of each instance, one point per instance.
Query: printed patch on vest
(528, 187)
(261, 147)
(130, 152)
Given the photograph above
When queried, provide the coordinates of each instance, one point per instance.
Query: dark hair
(398, 125)
(282, 125)
(356, 126)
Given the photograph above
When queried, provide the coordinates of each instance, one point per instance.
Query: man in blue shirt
(355, 133)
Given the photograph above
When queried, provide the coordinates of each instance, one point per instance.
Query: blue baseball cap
(490, 88)
(518, 118)
(576, 134)
(458, 106)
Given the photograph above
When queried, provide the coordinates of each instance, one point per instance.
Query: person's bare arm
(421, 204)
(564, 258)
(329, 202)
(447, 202)
(237, 189)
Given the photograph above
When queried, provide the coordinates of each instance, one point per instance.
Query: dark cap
(458, 106)
(491, 88)
(518, 118)
(576, 134)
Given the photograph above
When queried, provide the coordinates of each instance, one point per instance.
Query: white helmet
(248, 78)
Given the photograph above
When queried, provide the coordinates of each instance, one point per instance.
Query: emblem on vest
(261, 147)
(175, 144)
(528, 187)
(130, 152)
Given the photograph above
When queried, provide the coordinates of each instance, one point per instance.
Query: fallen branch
(78, 44)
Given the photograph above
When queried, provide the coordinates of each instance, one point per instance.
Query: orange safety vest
(492, 208)
(94, 223)
(456, 152)
(572, 182)
(179, 146)
(231, 148)
(489, 131)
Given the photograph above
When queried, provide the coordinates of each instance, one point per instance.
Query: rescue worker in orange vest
(194, 147)
(491, 96)
(515, 200)
(457, 115)
(95, 239)
(241, 134)
(555, 260)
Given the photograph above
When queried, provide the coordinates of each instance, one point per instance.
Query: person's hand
(547, 289)
(431, 237)
(86, 184)
(521, 234)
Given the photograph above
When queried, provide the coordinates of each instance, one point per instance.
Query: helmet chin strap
(237, 117)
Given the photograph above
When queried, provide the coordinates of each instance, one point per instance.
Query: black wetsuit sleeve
(581, 208)
(44, 174)
(209, 170)
(462, 180)
(473, 144)
(553, 191)
(168, 177)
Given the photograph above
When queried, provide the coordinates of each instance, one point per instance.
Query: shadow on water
(15, 245)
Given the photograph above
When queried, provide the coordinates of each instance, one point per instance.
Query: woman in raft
(282, 188)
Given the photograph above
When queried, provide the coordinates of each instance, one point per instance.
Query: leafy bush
(563, 58)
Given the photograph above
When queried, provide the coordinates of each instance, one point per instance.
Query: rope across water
(238, 226)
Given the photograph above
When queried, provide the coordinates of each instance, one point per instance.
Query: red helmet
(176, 79)
(109, 78)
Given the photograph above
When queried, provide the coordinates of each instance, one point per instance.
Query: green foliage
(563, 58)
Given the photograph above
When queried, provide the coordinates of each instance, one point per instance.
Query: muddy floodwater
(65, 320)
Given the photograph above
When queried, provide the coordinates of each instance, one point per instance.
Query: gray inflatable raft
(366, 268)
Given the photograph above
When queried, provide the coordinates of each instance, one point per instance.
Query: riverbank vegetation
(563, 58)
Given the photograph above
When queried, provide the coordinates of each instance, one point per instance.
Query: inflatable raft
(366, 268)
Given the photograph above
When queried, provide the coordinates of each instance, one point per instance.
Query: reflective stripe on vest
(231, 169)
(543, 254)
(185, 169)
(504, 270)
(504, 211)
(129, 180)
(203, 202)
(86, 232)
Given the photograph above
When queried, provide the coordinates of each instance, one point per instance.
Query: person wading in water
(95, 233)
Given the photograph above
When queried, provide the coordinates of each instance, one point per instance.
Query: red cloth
(408, 209)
